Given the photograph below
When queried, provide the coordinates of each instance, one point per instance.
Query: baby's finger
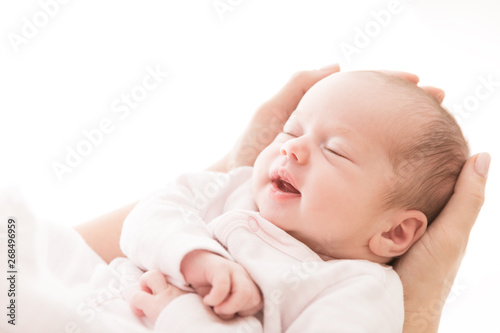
(153, 282)
(245, 297)
(221, 287)
(225, 316)
(138, 312)
(138, 301)
(251, 311)
(203, 290)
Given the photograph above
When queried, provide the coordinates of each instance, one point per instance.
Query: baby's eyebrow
(293, 116)
(346, 132)
(293, 119)
(297, 116)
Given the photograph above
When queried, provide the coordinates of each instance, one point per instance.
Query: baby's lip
(285, 181)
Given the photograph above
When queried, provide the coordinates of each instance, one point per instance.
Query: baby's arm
(168, 224)
(173, 310)
(168, 228)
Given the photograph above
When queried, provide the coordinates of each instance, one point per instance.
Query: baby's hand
(223, 284)
(156, 293)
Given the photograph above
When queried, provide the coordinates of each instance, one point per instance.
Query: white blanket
(61, 285)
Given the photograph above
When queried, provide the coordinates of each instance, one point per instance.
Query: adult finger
(463, 207)
(303, 80)
(437, 93)
(402, 75)
(153, 282)
(290, 95)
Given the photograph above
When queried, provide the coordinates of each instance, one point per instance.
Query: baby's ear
(402, 231)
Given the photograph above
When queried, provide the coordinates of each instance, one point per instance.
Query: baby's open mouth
(285, 186)
(283, 182)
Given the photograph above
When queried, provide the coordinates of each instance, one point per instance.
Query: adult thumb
(465, 204)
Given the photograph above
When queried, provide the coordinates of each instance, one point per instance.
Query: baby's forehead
(366, 93)
(387, 92)
(391, 84)
(361, 91)
(372, 102)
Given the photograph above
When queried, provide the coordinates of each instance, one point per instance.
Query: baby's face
(322, 178)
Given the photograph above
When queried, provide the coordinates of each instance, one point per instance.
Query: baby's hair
(427, 161)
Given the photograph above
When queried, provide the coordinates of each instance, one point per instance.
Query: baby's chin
(271, 215)
(269, 211)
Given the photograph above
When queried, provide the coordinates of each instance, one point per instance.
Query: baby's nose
(295, 150)
(288, 154)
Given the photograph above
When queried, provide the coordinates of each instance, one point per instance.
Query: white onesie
(302, 293)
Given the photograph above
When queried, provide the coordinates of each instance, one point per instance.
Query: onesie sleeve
(170, 223)
(364, 304)
(187, 313)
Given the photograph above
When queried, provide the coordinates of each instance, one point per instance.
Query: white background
(64, 78)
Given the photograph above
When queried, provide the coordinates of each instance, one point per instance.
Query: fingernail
(329, 68)
(482, 164)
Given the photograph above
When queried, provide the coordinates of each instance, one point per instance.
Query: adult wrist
(425, 320)
(423, 311)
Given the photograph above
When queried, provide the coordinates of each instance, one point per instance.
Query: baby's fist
(156, 293)
(225, 285)
(234, 292)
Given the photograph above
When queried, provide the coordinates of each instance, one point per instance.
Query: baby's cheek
(260, 179)
(257, 189)
(261, 161)
(316, 200)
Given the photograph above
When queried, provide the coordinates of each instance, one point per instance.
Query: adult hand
(429, 268)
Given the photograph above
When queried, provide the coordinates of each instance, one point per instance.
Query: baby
(362, 167)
